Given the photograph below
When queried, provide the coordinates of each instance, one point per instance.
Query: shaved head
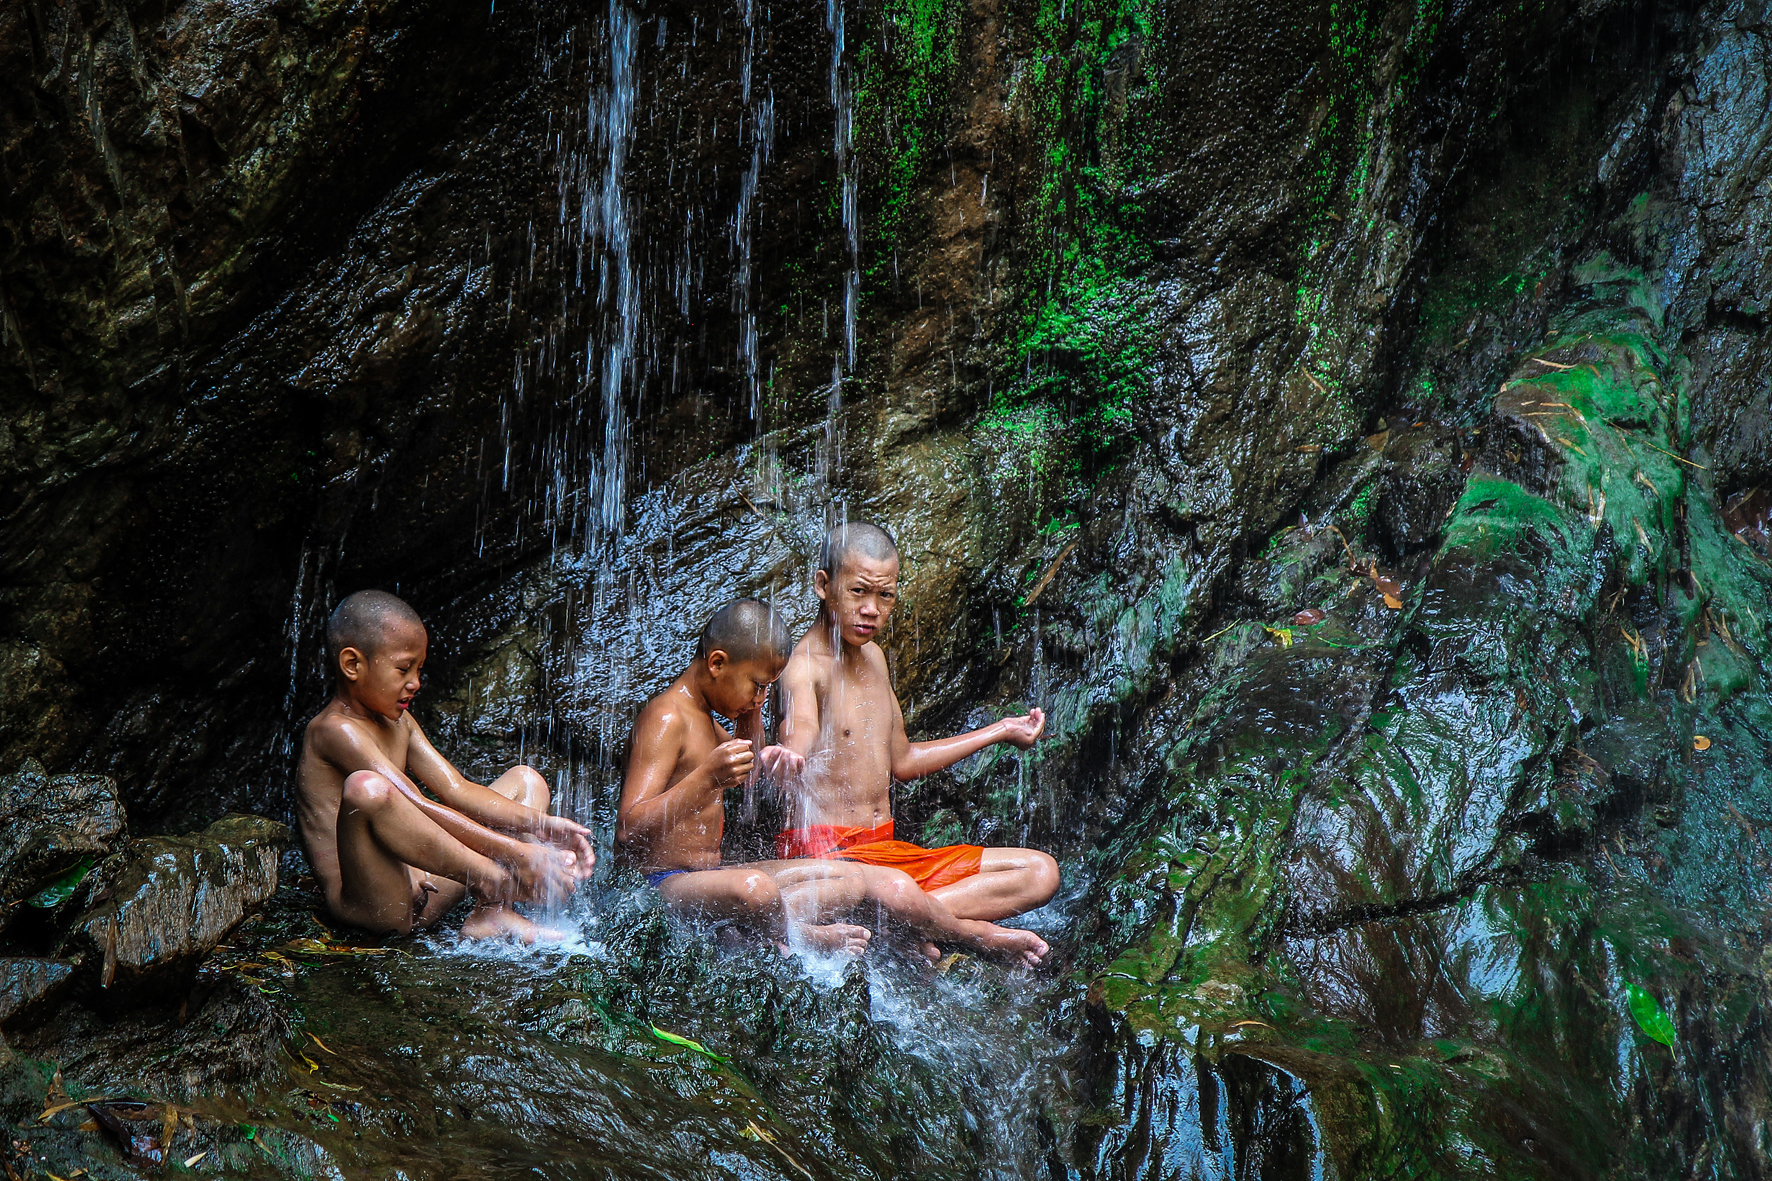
(855, 539)
(746, 629)
(363, 620)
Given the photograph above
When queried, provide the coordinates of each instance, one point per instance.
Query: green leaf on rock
(1652, 1019)
(60, 890)
(677, 1039)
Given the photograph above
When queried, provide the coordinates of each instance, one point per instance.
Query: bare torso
(848, 778)
(671, 728)
(320, 784)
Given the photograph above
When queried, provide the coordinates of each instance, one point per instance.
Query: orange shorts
(929, 868)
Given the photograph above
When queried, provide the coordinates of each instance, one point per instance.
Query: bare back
(673, 738)
(854, 714)
(332, 744)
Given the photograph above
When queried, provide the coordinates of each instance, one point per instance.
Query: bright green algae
(1447, 918)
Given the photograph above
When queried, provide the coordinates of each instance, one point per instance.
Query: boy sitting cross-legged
(389, 858)
(844, 719)
(673, 808)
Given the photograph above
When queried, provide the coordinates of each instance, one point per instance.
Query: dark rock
(165, 901)
(51, 822)
(26, 982)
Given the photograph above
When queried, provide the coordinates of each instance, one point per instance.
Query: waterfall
(761, 112)
(607, 217)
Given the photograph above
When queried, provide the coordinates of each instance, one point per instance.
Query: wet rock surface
(53, 824)
(27, 982)
(164, 902)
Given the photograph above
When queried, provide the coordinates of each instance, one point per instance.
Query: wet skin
(388, 857)
(673, 814)
(844, 718)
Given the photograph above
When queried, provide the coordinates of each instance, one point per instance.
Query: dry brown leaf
(1394, 603)
(322, 1045)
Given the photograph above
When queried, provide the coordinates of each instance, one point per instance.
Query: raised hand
(1024, 731)
(542, 874)
(781, 763)
(729, 765)
(571, 837)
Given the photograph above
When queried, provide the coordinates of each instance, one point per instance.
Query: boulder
(51, 823)
(26, 981)
(165, 902)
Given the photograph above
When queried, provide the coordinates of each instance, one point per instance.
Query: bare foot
(501, 922)
(833, 938)
(1008, 944)
(930, 952)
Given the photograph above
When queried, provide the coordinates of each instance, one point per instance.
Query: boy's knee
(1044, 874)
(533, 787)
(896, 887)
(367, 789)
(756, 892)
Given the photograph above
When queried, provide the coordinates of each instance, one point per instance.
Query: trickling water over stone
(1348, 423)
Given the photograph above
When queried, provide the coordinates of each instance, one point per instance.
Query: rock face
(51, 823)
(27, 982)
(163, 902)
(1348, 423)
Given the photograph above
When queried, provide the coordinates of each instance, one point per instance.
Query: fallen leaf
(1700, 742)
(677, 1039)
(138, 1147)
(1309, 616)
(948, 962)
(1282, 634)
(1309, 448)
(60, 890)
(59, 1107)
(1387, 585)
(191, 1160)
(312, 1065)
(1263, 1024)
(1651, 1018)
(1393, 602)
(323, 1045)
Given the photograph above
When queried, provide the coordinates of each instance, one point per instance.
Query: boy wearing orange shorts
(843, 717)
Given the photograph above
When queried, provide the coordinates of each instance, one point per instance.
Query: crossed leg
(898, 897)
(774, 899)
(499, 920)
(1008, 882)
(399, 871)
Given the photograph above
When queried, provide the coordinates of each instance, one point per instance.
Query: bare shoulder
(804, 664)
(875, 656)
(660, 721)
(340, 739)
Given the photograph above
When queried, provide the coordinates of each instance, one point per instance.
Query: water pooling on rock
(1328, 414)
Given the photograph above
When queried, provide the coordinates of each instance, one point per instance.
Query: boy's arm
(799, 696)
(484, 805)
(650, 802)
(913, 760)
(350, 750)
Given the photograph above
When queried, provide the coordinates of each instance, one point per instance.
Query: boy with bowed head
(673, 811)
(389, 858)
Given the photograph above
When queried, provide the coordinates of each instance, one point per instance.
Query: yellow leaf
(1700, 742)
(324, 1046)
(312, 1065)
(59, 1107)
(1394, 603)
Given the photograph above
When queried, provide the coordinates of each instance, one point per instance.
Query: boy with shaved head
(389, 857)
(844, 719)
(673, 811)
